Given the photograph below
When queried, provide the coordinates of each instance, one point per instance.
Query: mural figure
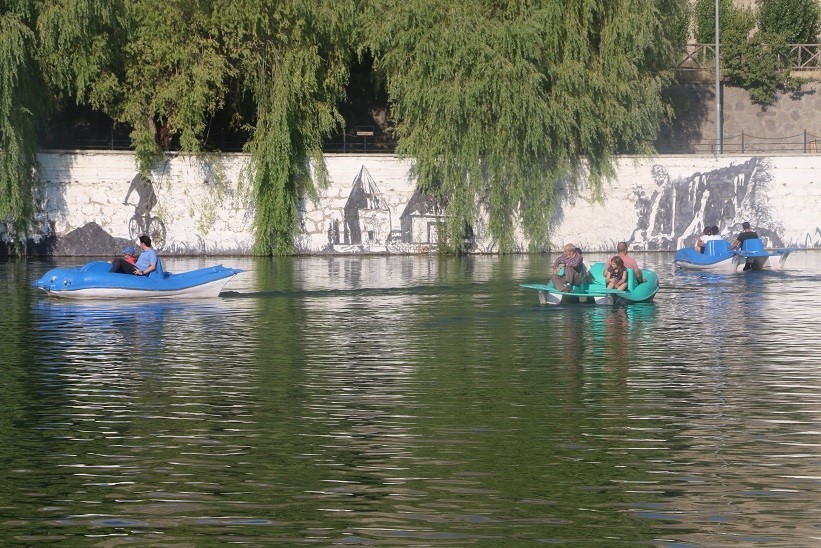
(367, 223)
(367, 215)
(673, 214)
(143, 222)
(333, 232)
(810, 240)
(421, 218)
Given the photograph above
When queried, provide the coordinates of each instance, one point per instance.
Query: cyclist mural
(142, 222)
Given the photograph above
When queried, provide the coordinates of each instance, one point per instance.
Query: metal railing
(745, 143)
(701, 57)
(740, 143)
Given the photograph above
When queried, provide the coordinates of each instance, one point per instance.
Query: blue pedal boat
(94, 281)
(718, 257)
(593, 289)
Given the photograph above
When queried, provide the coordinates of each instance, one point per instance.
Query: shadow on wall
(690, 103)
(90, 240)
(143, 222)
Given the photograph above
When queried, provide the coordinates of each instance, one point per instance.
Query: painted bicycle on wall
(143, 222)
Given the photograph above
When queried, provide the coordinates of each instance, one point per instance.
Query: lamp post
(719, 136)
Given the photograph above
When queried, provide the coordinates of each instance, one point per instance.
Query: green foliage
(81, 49)
(676, 16)
(297, 74)
(498, 100)
(502, 100)
(797, 21)
(757, 64)
(165, 68)
(179, 78)
(705, 19)
(21, 108)
(753, 59)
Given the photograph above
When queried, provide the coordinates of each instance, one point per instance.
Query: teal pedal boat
(593, 290)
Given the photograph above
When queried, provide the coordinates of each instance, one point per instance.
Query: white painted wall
(203, 203)
(206, 206)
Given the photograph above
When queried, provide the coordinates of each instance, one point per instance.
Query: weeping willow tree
(158, 66)
(165, 68)
(500, 100)
(22, 107)
(81, 50)
(296, 71)
(497, 100)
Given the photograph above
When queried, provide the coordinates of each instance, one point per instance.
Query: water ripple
(410, 400)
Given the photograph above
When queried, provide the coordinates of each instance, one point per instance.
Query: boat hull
(94, 281)
(718, 257)
(594, 290)
(690, 259)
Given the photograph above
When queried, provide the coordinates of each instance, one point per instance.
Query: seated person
(573, 264)
(146, 263)
(629, 262)
(745, 234)
(710, 233)
(616, 274)
(700, 242)
(130, 254)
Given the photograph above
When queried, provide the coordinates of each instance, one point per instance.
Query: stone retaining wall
(791, 125)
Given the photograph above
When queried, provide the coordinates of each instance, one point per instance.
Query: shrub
(796, 20)
(752, 58)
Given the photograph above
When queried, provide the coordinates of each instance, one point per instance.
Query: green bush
(705, 19)
(753, 56)
(756, 63)
(796, 20)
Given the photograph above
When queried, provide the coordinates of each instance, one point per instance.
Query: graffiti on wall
(673, 213)
(370, 223)
(814, 239)
(143, 222)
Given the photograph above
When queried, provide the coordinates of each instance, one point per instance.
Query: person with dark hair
(710, 233)
(573, 264)
(700, 243)
(746, 233)
(146, 263)
(616, 274)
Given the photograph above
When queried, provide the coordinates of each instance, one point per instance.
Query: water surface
(414, 400)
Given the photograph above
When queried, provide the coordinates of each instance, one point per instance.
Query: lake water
(414, 401)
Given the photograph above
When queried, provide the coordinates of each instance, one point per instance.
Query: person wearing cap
(146, 263)
(130, 254)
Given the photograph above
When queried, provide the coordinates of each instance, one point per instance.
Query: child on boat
(130, 254)
(616, 274)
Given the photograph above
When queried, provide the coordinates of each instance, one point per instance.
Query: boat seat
(597, 272)
(752, 245)
(715, 248)
(158, 271)
(631, 280)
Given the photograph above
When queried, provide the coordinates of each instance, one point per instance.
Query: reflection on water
(414, 400)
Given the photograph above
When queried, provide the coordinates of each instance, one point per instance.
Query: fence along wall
(792, 125)
(94, 202)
